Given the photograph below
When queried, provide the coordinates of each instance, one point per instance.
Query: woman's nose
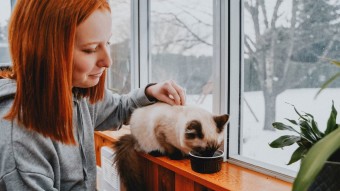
(105, 60)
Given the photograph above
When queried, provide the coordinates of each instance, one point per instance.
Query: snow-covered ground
(255, 140)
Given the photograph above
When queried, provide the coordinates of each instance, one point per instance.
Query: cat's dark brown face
(205, 135)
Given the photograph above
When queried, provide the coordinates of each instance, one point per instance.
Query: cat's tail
(127, 161)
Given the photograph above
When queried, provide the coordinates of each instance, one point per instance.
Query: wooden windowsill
(231, 177)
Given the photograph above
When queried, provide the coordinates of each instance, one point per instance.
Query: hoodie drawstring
(80, 136)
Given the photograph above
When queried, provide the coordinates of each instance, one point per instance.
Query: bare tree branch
(291, 39)
(255, 17)
(275, 16)
(180, 23)
(264, 12)
(246, 41)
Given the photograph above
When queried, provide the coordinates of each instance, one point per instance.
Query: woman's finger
(180, 92)
(166, 99)
(172, 91)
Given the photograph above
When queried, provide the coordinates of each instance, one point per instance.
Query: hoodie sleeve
(115, 110)
(17, 180)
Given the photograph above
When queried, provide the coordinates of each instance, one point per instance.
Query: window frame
(236, 90)
(227, 69)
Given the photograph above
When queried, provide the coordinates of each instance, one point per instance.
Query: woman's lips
(96, 75)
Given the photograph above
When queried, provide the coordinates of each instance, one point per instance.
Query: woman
(53, 99)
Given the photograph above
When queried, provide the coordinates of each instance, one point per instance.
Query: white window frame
(228, 73)
(236, 94)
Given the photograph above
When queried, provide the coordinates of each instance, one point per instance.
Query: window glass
(181, 38)
(119, 74)
(5, 12)
(286, 47)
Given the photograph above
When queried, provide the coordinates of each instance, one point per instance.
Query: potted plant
(319, 151)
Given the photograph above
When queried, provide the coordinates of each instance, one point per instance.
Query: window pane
(285, 46)
(119, 74)
(182, 46)
(5, 12)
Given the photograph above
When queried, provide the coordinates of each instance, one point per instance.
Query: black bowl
(206, 165)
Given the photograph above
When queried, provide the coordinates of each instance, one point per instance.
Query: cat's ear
(193, 130)
(220, 121)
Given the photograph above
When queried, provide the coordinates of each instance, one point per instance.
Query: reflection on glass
(5, 12)
(182, 46)
(119, 75)
(285, 46)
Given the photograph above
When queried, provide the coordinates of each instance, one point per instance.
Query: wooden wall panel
(150, 171)
(199, 187)
(183, 183)
(166, 179)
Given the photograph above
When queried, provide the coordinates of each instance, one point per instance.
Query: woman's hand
(168, 92)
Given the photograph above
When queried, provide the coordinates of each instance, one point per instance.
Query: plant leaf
(314, 160)
(331, 123)
(301, 116)
(307, 131)
(292, 121)
(326, 84)
(316, 130)
(283, 141)
(314, 126)
(335, 62)
(298, 154)
(281, 126)
(305, 143)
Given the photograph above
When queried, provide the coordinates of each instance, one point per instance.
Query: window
(282, 61)
(119, 76)
(5, 12)
(182, 48)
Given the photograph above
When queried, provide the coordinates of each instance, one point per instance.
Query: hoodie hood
(8, 88)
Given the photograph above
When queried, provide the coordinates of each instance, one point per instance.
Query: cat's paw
(156, 153)
(177, 155)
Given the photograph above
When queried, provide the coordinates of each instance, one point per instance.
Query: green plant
(315, 159)
(315, 146)
(330, 80)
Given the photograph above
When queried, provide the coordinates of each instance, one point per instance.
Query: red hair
(41, 40)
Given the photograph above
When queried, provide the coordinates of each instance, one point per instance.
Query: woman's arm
(115, 110)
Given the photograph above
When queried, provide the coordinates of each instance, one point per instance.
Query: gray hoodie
(29, 161)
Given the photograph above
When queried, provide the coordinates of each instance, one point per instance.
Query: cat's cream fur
(148, 122)
(170, 130)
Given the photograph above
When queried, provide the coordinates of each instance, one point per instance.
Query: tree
(179, 33)
(284, 56)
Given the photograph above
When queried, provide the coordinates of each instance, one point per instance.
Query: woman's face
(91, 51)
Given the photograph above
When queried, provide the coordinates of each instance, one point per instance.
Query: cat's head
(204, 132)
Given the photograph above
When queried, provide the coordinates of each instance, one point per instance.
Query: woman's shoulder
(21, 147)
(7, 91)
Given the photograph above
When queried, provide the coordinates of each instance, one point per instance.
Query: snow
(256, 140)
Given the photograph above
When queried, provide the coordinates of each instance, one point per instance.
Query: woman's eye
(108, 43)
(89, 51)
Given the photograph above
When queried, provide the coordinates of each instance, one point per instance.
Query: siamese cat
(173, 131)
